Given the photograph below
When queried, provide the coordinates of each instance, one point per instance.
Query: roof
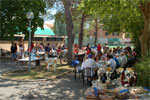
(49, 25)
(44, 32)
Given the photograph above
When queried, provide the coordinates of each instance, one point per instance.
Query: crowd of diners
(115, 57)
(18, 53)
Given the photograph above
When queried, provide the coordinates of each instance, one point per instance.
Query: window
(106, 33)
(37, 38)
(58, 39)
(115, 34)
(48, 39)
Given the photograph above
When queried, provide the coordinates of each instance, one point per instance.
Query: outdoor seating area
(75, 50)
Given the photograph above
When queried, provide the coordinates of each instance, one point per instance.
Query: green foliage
(14, 19)
(59, 24)
(143, 72)
(118, 15)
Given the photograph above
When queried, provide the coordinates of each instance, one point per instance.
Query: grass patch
(39, 72)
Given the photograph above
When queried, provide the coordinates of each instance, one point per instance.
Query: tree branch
(133, 4)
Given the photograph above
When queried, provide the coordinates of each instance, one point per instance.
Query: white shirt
(112, 64)
(123, 61)
(90, 63)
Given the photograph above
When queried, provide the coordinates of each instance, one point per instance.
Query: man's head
(109, 57)
(122, 53)
(116, 55)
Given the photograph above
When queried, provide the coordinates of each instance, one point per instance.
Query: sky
(50, 20)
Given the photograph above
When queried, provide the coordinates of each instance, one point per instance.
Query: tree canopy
(128, 16)
(13, 16)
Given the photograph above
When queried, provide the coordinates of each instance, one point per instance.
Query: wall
(101, 34)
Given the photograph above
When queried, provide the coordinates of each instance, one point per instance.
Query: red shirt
(99, 48)
(76, 50)
(32, 46)
(59, 50)
(88, 52)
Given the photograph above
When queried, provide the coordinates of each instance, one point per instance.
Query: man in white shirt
(89, 63)
(123, 60)
(112, 62)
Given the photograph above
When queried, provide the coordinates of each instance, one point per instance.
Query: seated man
(113, 65)
(89, 62)
(112, 62)
(123, 60)
(118, 60)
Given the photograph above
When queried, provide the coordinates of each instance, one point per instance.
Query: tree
(69, 28)
(13, 16)
(59, 24)
(130, 16)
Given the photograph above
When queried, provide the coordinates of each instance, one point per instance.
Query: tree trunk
(81, 34)
(69, 28)
(96, 32)
(144, 37)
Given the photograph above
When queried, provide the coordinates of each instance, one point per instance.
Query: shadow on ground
(63, 88)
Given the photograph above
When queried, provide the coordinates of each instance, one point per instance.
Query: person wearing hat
(89, 62)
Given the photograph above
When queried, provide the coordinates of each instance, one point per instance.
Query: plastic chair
(87, 73)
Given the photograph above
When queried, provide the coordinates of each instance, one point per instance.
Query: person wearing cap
(89, 62)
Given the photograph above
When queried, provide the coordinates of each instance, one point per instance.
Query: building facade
(104, 37)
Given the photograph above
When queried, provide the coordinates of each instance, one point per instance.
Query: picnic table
(36, 59)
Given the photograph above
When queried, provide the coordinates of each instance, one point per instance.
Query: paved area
(6, 65)
(63, 88)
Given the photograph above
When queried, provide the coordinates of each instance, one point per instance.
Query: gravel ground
(63, 88)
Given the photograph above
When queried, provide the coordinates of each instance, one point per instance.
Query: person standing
(21, 51)
(47, 48)
(105, 48)
(13, 51)
(99, 48)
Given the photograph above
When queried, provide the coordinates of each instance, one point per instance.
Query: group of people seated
(115, 58)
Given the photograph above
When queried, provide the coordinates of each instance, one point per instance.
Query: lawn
(39, 72)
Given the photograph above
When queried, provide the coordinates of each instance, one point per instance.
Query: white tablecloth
(27, 59)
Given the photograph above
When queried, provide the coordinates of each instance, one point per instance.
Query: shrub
(142, 69)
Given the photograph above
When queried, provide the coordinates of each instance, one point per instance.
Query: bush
(142, 69)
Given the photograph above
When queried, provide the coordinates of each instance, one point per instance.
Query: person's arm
(82, 65)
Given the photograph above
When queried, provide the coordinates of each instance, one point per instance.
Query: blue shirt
(117, 62)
